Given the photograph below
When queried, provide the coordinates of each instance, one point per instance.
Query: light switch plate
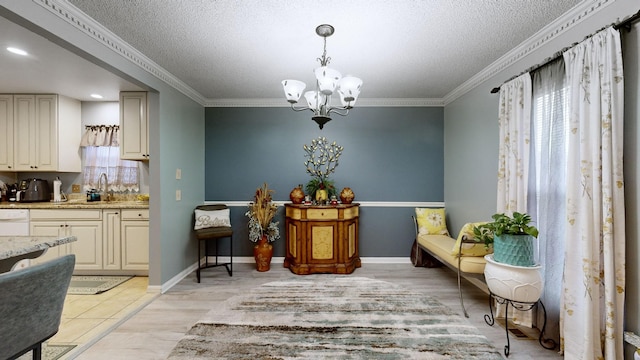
(178, 195)
(178, 174)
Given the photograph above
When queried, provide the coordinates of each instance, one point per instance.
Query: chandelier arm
(299, 108)
(337, 110)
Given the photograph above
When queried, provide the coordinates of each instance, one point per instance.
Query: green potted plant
(512, 237)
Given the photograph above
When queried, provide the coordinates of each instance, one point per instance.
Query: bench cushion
(441, 245)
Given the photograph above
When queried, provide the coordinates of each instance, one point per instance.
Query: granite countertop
(15, 246)
(77, 204)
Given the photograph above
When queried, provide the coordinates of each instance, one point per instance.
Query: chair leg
(37, 352)
(198, 270)
(230, 255)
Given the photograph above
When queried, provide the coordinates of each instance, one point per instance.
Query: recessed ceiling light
(96, 96)
(17, 51)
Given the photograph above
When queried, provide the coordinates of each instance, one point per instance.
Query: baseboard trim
(249, 260)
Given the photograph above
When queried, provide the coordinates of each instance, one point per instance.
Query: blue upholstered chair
(31, 302)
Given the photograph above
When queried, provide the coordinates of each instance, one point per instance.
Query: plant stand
(522, 306)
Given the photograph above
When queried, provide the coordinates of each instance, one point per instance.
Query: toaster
(34, 190)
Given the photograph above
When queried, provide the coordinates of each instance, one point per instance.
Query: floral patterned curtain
(594, 271)
(514, 121)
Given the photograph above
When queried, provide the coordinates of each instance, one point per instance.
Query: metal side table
(522, 306)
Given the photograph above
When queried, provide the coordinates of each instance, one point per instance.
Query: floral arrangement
(261, 212)
(321, 161)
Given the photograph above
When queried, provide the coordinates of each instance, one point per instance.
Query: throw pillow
(212, 218)
(431, 221)
(476, 249)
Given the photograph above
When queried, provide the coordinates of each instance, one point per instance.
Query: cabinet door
(35, 132)
(24, 115)
(6, 133)
(134, 130)
(135, 245)
(88, 247)
(46, 133)
(111, 236)
(49, 228)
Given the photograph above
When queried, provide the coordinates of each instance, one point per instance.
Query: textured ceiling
(242, 49)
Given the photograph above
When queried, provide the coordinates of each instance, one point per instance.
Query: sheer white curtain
(514, 120)
(547, 192)
(101, 154)
(594, 272)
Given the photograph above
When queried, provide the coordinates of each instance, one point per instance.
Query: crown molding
(380, 102)
(550, 32)
(70, 14)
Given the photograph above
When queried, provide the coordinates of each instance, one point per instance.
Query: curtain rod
(623, 24)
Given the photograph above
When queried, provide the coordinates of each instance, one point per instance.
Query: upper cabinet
(46, 133)
(6, 132)
(134, 126)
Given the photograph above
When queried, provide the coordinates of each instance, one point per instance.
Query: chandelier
(327, 81)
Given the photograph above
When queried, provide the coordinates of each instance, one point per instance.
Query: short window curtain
(101, 154)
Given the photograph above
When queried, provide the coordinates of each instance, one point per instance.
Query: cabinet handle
(9, 166)
(139, 214)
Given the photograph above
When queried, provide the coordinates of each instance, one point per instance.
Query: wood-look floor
(152, 332)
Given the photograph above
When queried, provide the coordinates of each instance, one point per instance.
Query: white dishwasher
(14, 222)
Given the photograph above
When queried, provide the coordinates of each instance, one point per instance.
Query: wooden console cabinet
(322, 239)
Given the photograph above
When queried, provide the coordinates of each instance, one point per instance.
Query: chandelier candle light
(327, 81)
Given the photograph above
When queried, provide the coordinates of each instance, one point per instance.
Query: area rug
(91, 285)
(50, 352)
(333, 318)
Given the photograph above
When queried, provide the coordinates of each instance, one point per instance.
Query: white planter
(516, 283)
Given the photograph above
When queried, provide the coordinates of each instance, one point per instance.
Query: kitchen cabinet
(111, 236)
(110, 241)
(134, 125)
(126, 239)
(46, 133)
(6, 132)
(135, 239)
(86, 225)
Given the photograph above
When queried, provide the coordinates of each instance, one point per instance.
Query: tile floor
(152, 332)
(86, 317)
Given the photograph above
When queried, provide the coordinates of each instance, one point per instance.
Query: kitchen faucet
(107, 196)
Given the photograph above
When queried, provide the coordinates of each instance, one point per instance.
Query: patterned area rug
(333, 318)
(50, 352)
(91, 285)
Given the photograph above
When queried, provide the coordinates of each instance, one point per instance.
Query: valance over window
(101, 135)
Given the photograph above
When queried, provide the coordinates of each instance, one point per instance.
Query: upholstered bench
(463, 254)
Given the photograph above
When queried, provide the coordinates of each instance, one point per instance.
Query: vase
(322, 195)
(263, 252)
(347, 195)
(297, 195)
(516, 283)
(515, 250)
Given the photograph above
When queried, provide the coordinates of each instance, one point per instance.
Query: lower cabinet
(109, 240)
(86, 225)
(134, 232)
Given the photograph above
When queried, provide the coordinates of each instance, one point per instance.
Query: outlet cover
(75, 188)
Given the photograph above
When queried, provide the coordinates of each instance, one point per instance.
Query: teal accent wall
(390, 155)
